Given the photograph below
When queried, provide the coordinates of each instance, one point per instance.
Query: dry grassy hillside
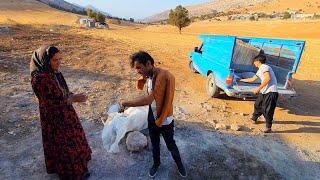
(307, 6)
(206, 8)
(33, 12)
(246, 6)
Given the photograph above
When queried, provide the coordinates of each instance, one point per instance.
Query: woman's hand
(77, 98)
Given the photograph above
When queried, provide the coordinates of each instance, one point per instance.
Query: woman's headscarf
(40, 61)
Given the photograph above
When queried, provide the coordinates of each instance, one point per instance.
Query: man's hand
(256, 91)
(158, 123)
(122, 107)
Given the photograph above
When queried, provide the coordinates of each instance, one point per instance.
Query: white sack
(118, 124)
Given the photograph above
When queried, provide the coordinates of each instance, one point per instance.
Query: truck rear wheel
(212, 89)
(192, 67)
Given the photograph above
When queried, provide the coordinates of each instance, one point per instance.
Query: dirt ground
(96, 62)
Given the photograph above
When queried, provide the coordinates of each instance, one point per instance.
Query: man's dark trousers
(265, 105)
(167, 132)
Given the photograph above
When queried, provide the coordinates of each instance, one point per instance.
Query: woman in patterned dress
(65, 146)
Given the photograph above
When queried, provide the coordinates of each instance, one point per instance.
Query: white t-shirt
(272, 85)
(154, 107)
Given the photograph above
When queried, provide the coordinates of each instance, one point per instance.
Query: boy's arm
(249, 80)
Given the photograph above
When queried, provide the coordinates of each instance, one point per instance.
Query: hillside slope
(33, 12)
(64, 5)
(307, 6)
(206, 8)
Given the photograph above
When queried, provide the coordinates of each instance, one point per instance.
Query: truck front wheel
(212, 89)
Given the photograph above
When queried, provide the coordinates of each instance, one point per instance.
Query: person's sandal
(266, 130)
(153, 170)
(182, 171)
(253, 121)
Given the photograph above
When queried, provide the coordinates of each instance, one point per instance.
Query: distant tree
(316, 16)
(100, 17)
(131, 19)
(90, 13)
(252, 18)
(179, 17)
(286, 15)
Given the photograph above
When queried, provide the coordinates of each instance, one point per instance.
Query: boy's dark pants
(167, 132)
(265, 105)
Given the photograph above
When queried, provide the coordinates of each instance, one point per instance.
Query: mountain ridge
(206, 8)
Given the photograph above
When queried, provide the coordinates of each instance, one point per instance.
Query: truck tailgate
(242, 87)
(247, 89)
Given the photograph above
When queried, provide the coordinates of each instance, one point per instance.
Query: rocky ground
(205, 129)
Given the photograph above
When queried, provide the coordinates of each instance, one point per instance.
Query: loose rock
(235, 127)
(136, 141)
(221, 126)
(243, 114)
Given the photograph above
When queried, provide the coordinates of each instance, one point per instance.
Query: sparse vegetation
(179, 17)
(286, 15)
(90, 13)
(214, 15)
(115, 21)
(252, 18)
(263, 15)
(316, 16)
(99, 17)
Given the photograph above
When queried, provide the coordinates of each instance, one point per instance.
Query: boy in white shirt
(267, 92)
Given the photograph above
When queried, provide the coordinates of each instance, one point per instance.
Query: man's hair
(142, 57)
(261, 57)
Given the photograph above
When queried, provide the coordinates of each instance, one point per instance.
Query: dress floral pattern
(65, 146)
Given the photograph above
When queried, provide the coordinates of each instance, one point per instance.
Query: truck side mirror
(196, 49)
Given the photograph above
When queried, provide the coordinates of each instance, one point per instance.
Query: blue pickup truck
(224, 59)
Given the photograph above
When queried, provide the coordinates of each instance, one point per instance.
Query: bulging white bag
(118, 124)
